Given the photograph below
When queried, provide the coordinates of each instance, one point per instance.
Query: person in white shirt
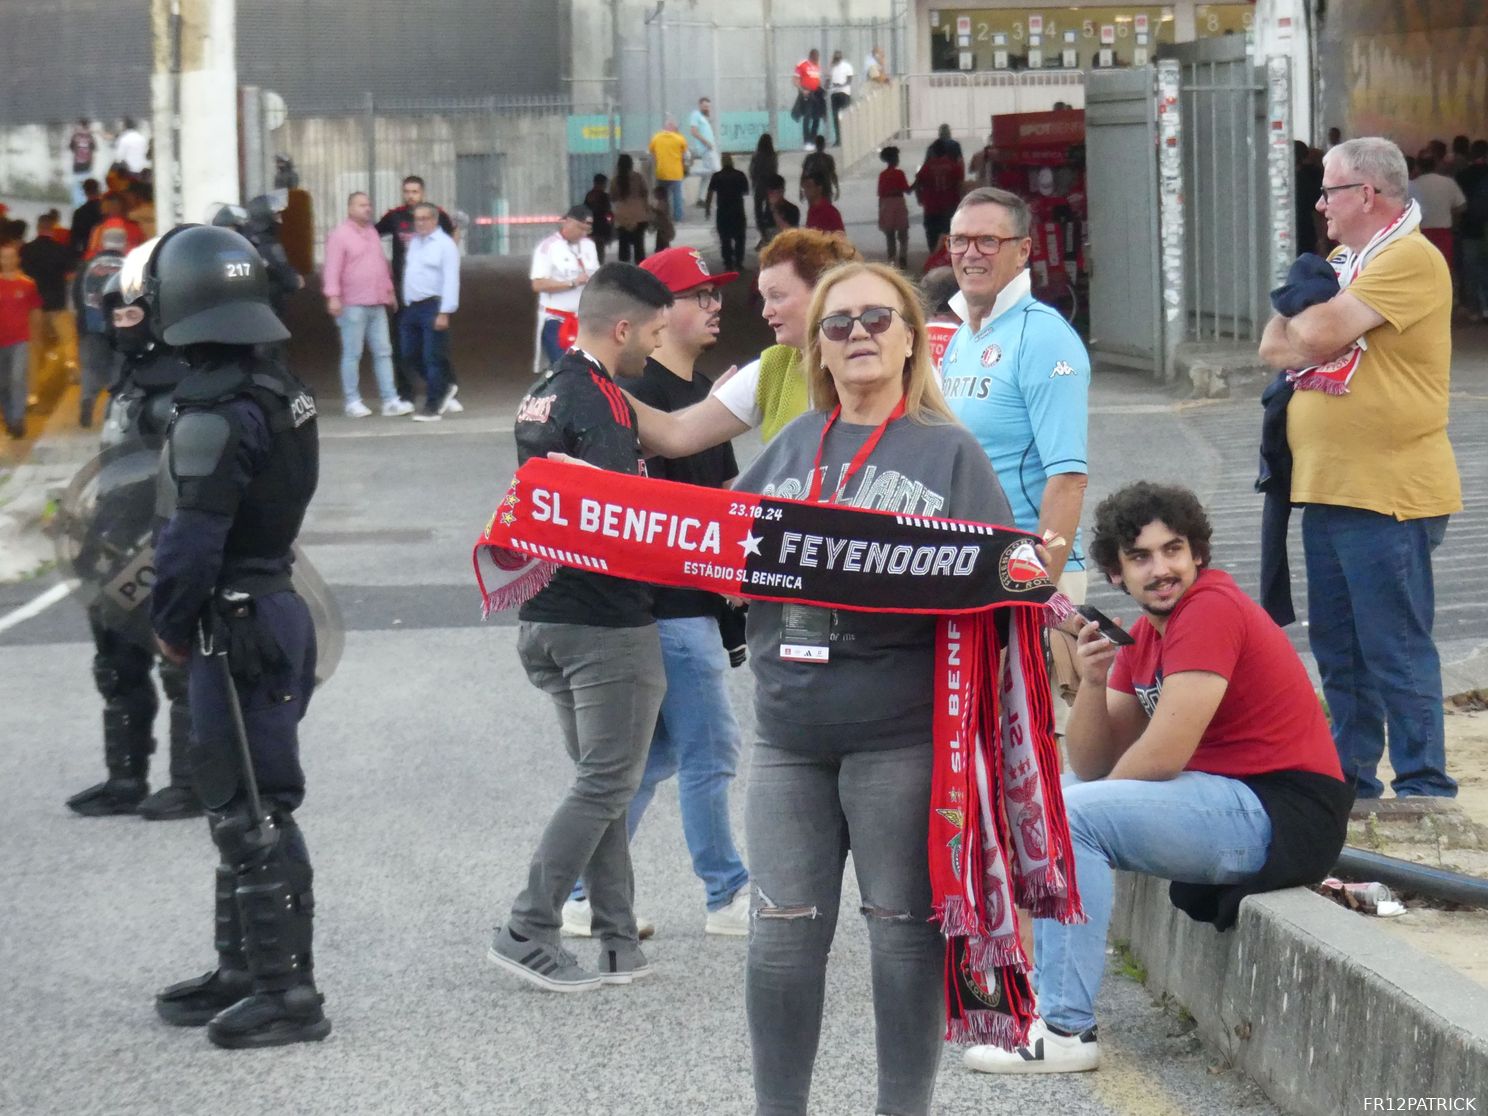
(431, 293)
(840, 85)
(875, 68)
(1441, 201)
(561, 264)
(131, 148)
(703, 146)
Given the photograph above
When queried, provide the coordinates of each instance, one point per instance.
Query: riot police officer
(260, 225)
(242, 456)
(139, 412)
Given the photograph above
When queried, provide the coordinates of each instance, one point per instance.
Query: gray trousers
(607, 685)
(803, 813)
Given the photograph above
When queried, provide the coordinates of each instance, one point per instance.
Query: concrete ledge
(1316, 1005)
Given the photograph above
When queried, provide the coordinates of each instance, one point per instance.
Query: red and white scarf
(1334, 376)
(998, 834)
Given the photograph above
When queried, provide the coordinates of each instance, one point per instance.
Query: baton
(212, 647)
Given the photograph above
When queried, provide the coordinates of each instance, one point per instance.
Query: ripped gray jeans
(803, 814)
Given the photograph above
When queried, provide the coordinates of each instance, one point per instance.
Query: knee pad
(243, 841)
(173, 681)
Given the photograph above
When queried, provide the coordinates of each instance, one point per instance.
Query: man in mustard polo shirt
(1374, 470)
(668, 148)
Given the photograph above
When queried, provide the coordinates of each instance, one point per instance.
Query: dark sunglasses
(839, 327)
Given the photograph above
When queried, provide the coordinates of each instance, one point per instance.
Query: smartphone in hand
(1108, 627)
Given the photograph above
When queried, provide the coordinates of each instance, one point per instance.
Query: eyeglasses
(839, 327)
(986, 245)
(1329, 191)
(707, 296)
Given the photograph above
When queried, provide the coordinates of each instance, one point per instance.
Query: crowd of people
(1176, 770)
(44, 337)
(961, 397)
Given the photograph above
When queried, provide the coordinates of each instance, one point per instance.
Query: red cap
(683, 269)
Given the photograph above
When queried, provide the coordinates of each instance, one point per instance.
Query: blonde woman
(766, 393)
(843, 759)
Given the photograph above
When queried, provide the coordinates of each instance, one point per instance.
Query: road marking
(37, 606)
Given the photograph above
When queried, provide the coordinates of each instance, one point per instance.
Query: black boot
(272, 1019)
(277, 907)
(127, 744)
(179, 800)
(193, 1003)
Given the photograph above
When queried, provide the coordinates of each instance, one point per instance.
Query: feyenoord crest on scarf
(998, 835)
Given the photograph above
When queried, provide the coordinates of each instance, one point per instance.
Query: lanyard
(859, 459)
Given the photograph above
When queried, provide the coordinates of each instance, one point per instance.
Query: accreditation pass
(805, 633)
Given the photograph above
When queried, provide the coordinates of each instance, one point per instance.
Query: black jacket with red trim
(575, 408)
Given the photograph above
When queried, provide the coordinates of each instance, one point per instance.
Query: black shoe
(195, 1002)
(171, 803)
(113, 796)
(271, 1019)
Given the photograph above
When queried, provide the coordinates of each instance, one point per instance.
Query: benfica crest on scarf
(998, 835)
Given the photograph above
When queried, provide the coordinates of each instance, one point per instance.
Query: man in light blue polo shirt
(1018, 377)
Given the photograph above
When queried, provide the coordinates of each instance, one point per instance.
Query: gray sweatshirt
(876, 689)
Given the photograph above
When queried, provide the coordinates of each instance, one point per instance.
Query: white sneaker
(1045, 1052)
(357, 410)
(578, 921)
(454, 407)
(448, 397)
(396, 408)
(731, 921)
(425, 416)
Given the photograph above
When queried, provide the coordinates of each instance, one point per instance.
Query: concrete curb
(1322, 1010)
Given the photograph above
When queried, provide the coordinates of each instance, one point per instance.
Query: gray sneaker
(549, 967)
(621, 962)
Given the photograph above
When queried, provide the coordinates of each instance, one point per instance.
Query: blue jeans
(1197, 828)
(1475, 269)
(551, 349)
(426, 349)
(1370, 605)
(674, 192)
(359, 326)
(15, 368)
(696, 739)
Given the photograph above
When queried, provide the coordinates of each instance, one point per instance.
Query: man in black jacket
(589, 641)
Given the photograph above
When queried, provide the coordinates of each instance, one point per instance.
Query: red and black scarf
(998, 835)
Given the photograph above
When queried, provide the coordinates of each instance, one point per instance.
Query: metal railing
(871, 121)
(502, 167)
(969, 101)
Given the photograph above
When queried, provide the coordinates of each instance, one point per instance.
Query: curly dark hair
(1121, 517)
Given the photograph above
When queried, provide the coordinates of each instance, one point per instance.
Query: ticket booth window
(1072, 38)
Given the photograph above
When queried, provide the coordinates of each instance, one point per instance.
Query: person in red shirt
(113, 218)
(20, 309)
(893, 210)
(1204, 758)
(821, 214)
(937, 185)
(811, 99)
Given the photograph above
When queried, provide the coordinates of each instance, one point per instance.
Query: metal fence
(969, 101)
(1228, 223)
(503, 168)
(747, 71)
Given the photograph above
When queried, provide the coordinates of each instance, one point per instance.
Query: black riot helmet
(210, 285)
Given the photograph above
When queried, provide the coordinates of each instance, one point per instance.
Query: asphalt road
(432, 766)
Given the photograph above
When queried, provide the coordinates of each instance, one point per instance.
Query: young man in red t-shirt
(811, 98)
(20, 310)
(1200, 754)
(821, 214)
